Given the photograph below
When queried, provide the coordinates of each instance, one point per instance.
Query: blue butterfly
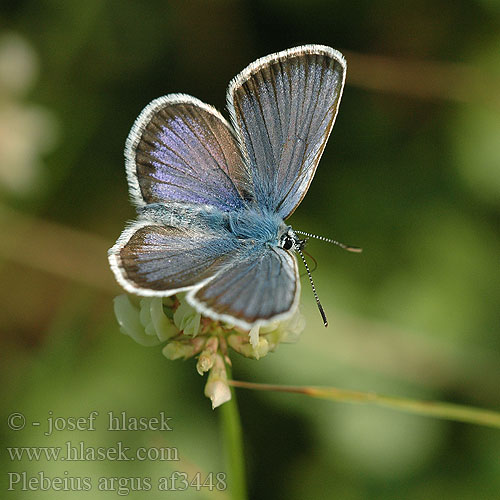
(212, 196)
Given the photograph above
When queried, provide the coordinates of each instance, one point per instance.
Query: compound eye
(287, 243)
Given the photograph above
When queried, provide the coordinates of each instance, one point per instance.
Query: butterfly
(213, 195)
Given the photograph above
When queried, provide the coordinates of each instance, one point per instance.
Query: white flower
(217, 388)
(128, 317)
(186, 318)
(253, 335)
(153, 320)
(148, 324)
(186, 348)
(206, 359)
(261, 340)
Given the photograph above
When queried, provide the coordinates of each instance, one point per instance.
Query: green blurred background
(411, 173)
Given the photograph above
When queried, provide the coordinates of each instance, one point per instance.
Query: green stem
(233, 447)
(437, 409)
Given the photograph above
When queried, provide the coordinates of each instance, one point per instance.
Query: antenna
(349, 248)
(320, 307)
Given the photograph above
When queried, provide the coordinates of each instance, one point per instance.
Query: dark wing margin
(158, 260)
(183, 150)
(257, 288)
(283, 108)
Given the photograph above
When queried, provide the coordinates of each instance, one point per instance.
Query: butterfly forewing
(283, 108)
(182, 150)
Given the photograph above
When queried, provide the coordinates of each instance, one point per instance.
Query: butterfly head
(290, 241)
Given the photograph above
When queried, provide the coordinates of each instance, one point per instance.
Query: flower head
(151, 321)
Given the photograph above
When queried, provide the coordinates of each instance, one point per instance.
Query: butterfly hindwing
(256, 287)
(155, 259)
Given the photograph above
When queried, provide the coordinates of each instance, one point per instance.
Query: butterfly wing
(227, 279)
(283, 107)
(157, 259)
(257, 287)
(182, 150)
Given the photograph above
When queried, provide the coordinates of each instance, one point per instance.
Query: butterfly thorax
(258, 225)
(263, 227)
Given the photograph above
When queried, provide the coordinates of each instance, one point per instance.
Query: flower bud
(177, 349)
(207, 357)
(253, 335)
(217, 388)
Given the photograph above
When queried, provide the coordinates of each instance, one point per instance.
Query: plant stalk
(233, 447)
(437, 409)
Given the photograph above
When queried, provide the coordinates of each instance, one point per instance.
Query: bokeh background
(411, 173)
